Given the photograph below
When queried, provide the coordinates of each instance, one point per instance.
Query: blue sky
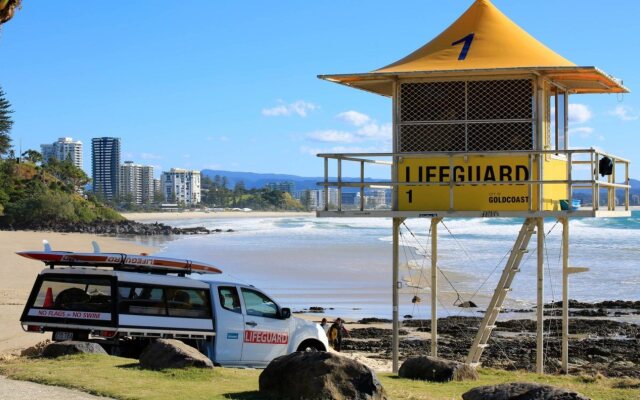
(232, 84)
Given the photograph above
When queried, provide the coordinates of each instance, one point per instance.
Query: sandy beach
(17, 275)
(172, 216)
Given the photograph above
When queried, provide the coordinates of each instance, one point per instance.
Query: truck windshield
(75, 294)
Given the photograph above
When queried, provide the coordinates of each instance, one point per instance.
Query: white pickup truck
(233, 324)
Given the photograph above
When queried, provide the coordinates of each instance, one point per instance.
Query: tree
(32, 156)
(5, 123)
(7, 9)
(71, 176)
(238, 192)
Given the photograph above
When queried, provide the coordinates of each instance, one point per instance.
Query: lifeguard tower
(480, 129)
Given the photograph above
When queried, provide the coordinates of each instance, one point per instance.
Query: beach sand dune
(17, 275)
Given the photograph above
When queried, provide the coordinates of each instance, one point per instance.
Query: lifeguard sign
(480, 129)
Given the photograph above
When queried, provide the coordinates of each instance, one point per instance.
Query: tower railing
(582, 172)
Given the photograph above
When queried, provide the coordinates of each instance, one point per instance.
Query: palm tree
(7, 9)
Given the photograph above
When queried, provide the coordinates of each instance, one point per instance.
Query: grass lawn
(121, 378)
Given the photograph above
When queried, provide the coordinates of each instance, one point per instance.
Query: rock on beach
(521, 391)
(319, 375)
(436, 370)
(70, 347)
(171, 353)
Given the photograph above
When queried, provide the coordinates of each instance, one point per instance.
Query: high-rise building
(380, 198)
(286, 186)
(157, 190)
(105, 166)
(62, 149)
(130, 182)
(314, 199)
(147, 183)
(136, 182)
(181, 186)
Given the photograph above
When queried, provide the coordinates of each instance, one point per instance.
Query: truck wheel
(311, 345)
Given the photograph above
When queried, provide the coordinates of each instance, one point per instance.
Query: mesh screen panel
(508, 104)
(432, 137)
(500, 136)
(432, 101)
(506, 99)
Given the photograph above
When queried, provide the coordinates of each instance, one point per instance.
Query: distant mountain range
(254, 180)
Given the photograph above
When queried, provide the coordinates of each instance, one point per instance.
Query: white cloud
(276, 111)
(579, 113)
(331, 135)
(150, 156)
(300, 108)
(224, 139)
(367, 129)
(581, 131)
(354, 118)
(625, 113)
(375, 131)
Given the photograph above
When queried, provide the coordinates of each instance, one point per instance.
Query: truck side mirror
(285, 313)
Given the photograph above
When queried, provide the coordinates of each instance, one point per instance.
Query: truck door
(230, 326)
(266, 336)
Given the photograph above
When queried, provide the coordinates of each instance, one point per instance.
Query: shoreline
(189, 215)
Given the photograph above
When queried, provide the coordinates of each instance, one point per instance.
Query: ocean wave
(473, 251)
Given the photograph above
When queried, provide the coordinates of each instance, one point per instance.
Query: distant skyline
(233, 86)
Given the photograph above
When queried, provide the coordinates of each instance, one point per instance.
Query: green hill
(31, 195)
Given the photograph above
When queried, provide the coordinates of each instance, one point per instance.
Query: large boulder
(521, 391)
(436, 370)
(170, 353)
(319, 375)
(69, 347)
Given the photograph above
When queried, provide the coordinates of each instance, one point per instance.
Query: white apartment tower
(181, 186)
(147, 183)
(62, 149)
(316, 199)
(136, 181)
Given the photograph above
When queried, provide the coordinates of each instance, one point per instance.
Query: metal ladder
(504, 286)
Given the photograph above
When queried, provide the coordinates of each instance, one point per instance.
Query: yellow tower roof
(486, 41)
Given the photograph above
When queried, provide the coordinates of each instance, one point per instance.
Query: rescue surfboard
(121, 261)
